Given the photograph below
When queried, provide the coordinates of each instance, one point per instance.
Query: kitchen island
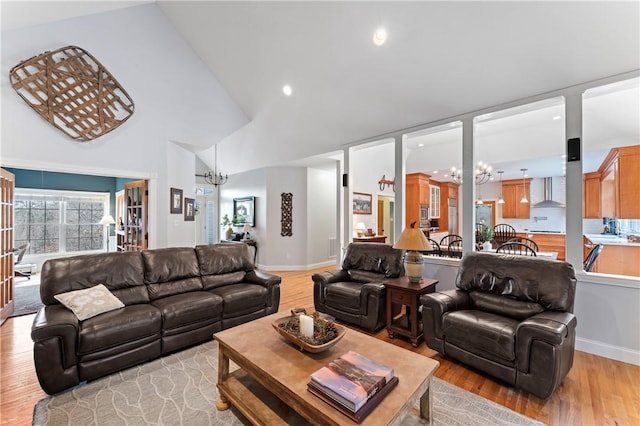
(550, 241)
(619, 256)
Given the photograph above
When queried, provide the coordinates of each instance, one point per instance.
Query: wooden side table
(402, 292)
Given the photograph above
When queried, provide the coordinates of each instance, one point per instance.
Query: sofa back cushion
(373, 257)
(229, 262)
(504, 305)
(121, 273)
(171, 271)
(550, 283)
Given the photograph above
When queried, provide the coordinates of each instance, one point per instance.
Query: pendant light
(501, 199)
(524, 200)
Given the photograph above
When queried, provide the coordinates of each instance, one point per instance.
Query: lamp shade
(107, 219)
(412, 239)
(360, 226)
(247, 227)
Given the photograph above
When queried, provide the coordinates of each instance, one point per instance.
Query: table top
(545, 254)
(271, 355)
(404, 283)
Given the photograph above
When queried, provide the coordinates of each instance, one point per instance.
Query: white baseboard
(608, 351)
(296, 267)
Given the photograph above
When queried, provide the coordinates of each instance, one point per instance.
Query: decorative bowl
(341, 331)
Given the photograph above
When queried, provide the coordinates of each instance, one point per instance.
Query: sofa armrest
(434, 306)
(272, 282)
(328, 277)
(55, 336)
(551, 327)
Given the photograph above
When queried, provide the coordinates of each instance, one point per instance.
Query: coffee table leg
(426, 407)
(223, 373)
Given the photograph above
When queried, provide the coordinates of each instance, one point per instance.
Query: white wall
(177, 99)
(180, 174)
(321, 217)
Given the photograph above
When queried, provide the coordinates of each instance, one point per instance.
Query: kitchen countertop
(526, 231)
(608, 239)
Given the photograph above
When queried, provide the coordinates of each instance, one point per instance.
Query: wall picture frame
(189, 209)
(244, 211)
(175, 200)
(362, 203)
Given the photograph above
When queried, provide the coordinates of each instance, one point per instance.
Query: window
(59, 222)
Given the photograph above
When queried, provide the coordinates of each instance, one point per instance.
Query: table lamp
(246, 229)
(360, 229)
(413, 241)
(107, 220)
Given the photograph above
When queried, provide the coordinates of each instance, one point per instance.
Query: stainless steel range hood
(548, 196)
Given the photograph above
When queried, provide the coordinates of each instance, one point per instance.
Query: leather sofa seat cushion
(504, 305)
(345, 295)
(240, 299)
(117, 327)
(188, 308)
(478, 330)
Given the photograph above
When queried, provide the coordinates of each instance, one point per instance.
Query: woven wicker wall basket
(74, 92)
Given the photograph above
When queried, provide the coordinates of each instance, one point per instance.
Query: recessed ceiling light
(556, 117)
(435, 172)
(420, 145)
(380, 36)
(287, 90)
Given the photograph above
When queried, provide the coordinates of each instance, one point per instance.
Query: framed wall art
(189, 209)
(175, 198)
(244, 211)
(361, 203)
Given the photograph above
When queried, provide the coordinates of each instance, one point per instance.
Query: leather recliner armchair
(510, 316)
(356, 292)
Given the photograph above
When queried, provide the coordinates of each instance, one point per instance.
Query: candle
(306, 325)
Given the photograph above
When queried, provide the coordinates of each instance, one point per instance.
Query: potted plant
(226, 222)
(485, 235)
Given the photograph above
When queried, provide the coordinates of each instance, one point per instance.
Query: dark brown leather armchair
(510, 317)
(356, 293)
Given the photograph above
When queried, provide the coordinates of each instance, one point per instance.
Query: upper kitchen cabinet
(418, 198)
(592, 196)
(512, 191)
(620, 183)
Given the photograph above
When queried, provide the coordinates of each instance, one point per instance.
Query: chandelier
(482, 174)
(214, 178)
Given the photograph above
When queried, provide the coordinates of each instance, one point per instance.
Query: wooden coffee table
(270, 387)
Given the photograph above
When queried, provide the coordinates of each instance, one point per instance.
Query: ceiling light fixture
(524, 200)
(556, 117)
(214, 178)
(287, 90)
(482, 174)
(380, 36)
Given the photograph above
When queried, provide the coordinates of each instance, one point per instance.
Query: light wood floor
(597, 391)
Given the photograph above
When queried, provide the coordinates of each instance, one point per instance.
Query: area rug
(180, 389)
(26, 299)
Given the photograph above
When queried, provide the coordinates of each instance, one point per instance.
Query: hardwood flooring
(597, 390)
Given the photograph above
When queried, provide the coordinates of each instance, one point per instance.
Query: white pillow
(89, 302)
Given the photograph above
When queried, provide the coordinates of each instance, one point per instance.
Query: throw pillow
(89, 302)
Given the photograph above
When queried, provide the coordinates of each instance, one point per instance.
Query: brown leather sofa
(174, 298)
(356, 292)
(510, 316)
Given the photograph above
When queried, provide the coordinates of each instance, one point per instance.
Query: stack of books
(353, 384)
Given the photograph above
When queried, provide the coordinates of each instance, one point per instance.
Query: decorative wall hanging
(74, 92)
(384, 182)
(189, 209)
(287, 214)
(176, 201)
(361, 203)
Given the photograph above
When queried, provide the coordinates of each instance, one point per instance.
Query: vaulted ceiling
(441, 59)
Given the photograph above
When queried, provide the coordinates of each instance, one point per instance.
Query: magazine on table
(351, 380)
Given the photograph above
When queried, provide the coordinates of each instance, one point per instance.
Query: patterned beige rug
(180, 389)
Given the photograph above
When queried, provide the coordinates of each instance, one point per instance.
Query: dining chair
(527, 241)
(512, 247)
(502, 233)
(454, 249)
(435, 248)
(590, 260)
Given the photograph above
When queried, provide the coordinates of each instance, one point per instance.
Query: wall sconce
(384, 182)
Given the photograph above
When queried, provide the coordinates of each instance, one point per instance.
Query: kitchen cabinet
(547, 242)
(591, 199)
(512, 194)
(620, 183)
(417, 199)
(434, 201)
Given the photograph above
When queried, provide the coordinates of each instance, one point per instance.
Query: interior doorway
(386, 217)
